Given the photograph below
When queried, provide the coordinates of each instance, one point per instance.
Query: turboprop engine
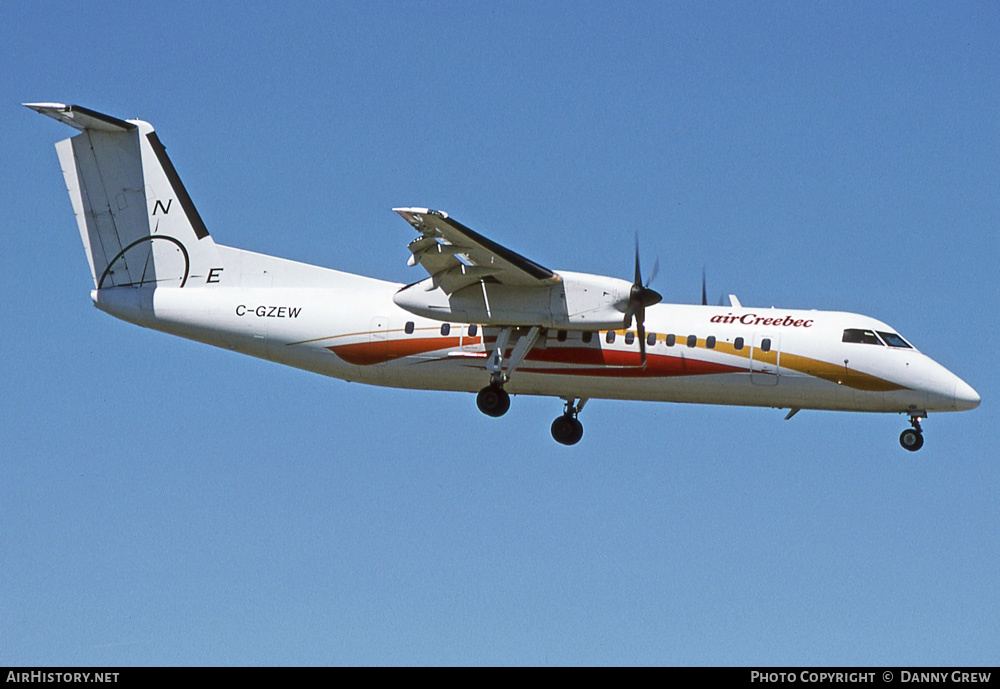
(572, 301)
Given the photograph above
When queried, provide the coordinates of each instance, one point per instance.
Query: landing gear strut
(493, 400)
(567, 429)
(912, 439)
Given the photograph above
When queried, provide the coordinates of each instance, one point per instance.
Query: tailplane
(138, 224)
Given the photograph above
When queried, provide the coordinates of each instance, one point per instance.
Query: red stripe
(592, 361)
(379, 352)
(628, 365)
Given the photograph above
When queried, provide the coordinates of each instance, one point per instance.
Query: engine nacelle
(576, 301)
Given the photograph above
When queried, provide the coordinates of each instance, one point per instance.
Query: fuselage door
(472, 338)
(765, 359)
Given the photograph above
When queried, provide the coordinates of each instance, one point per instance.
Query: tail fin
(138, 224)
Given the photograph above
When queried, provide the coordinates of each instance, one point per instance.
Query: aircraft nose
(965, 396)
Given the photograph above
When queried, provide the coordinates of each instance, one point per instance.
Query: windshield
(894, 340)
(862, 336)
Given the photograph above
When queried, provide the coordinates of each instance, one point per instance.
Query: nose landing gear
(912, 439)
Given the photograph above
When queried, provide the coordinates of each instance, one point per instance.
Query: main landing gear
(567, 429)
(493, 400)
(912, 439)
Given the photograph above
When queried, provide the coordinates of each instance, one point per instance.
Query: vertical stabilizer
(138, 224)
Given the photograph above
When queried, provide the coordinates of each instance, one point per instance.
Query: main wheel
(493, 400)
(567, 430)
(911, 439)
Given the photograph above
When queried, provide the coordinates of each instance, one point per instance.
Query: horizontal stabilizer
(81, 118)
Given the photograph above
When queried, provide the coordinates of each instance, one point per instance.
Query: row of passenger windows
(610, 337)
(876, 338)
(690, 340)
(856, 335)
(445, 328)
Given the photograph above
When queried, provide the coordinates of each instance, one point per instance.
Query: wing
(456, 257)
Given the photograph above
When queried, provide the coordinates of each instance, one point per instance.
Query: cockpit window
(862, 336)
(894, 340)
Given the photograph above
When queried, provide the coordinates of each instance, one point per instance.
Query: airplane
(485, 320)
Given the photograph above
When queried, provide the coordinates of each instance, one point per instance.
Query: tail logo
(168, 269)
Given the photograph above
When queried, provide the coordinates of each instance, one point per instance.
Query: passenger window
(710, 342)
(765, 344)
(629, 337)
(610, 337)
(692, 340)
(445, 328)
(561, 335)
(651, 339)
(671, 339)
(861, 336)
(587, 337)
(894, 340)
(408, 328)
(738, 344)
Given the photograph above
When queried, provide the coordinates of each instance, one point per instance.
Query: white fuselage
(347, 326)
(485, 319)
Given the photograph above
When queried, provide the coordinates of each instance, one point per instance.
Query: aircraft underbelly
(469, 375)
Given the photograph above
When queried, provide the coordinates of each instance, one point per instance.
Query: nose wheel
(912, 439)
(567, 429)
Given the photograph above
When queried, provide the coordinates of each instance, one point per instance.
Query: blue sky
(164, 502)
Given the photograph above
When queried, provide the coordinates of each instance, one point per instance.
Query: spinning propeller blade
(641, 296)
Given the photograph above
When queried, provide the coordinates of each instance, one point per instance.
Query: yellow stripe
(839, 374)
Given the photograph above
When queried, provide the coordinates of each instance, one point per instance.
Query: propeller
(704, 292)
(640, 296)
